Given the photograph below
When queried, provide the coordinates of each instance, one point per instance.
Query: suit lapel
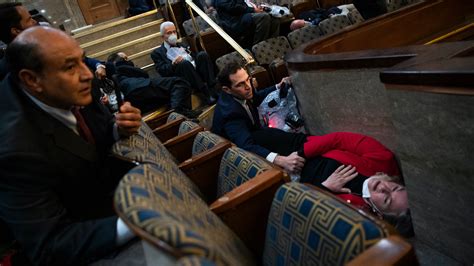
(62, 136)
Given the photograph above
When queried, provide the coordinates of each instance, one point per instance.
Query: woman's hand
(337, 180)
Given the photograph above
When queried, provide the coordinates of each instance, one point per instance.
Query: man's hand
(128, 120)
(337, 180)
(100, 73)
(286, 80)
(292, 163)
(178, 60)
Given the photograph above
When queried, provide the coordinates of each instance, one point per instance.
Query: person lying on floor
(148, 93)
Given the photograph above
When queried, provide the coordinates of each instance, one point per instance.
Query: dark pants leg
(262, 23)
(186, 71)
(205, 68)
(178, 89)
(173, 91)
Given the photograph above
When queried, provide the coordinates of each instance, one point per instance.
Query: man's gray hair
(164, 25)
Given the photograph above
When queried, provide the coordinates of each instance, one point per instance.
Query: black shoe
(189, 113)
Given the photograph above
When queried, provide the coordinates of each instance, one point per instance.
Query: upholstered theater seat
(355, 17)
(143, 147)
(307, 226)
(170, 128)
(334, 24)
(270, 53)
(304, 35)
(165, 211)
(180, 145)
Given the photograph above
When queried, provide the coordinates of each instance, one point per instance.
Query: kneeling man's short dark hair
(229, 69)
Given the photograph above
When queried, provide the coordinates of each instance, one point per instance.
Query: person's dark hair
(23, 55)
(9, 18)
(229, 69)
(115, 57)
(403, 223)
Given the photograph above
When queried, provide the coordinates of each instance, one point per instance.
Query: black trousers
(162, 91)
(202, 77)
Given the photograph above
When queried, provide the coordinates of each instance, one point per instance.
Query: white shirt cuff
(271, 156)
(124, 234)
(99, 65)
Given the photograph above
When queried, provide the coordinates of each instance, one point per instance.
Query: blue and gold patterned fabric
(204, 141)
(143, 147)
(194, 261)
(308, 227)
(186, 126)
(238, 166)
(157, 201)
(173, 116)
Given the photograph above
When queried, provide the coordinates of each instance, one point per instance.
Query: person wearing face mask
(173, 60)
(147, 93)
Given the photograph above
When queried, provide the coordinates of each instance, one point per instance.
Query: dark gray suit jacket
(55, 188)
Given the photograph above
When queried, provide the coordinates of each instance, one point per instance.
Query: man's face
(26, 20)
(240, 85)
(168, 31)
(389, 197)
(65, 80)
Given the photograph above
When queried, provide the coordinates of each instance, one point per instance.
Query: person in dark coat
(173, 60)
(57, 181)
(147, 93)
(239, 17)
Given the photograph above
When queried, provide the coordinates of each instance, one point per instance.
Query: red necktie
(82, 127)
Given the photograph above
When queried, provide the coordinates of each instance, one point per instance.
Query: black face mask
(124, 63)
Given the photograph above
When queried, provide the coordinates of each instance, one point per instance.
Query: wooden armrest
(168, 130)
(393, 250)
(157, 118)
(245, 209)
(203, 169)
(181, 146)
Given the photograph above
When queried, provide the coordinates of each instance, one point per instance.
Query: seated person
(150, 93)
(57, 181)
(173, 60)
(236, 117)
(237, 17)
(137, 7)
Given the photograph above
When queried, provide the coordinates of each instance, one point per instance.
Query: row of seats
(225, 206)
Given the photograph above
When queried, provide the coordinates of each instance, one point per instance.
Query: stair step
(126, 36)
(132, 47)
(103, 30)
(142, 58)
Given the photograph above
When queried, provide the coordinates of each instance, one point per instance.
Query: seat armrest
(393, 250)
(168, 130)
(203, 169)
(181, 146)
(245, 209)
(157, 118)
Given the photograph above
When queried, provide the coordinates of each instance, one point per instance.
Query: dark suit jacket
(231, 121)
(55, 188)
(163, 65)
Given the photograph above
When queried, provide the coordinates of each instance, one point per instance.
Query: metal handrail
(248, 58)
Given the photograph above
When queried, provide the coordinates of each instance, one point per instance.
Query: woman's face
(389, 197)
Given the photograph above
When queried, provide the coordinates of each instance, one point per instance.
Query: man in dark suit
(173, 60)
(236, 118)
(57, 183)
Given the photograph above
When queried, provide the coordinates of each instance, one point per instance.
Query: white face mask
(173, 39)
(365, 189)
